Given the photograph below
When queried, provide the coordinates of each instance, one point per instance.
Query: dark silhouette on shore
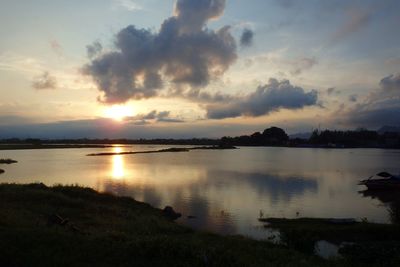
(386, 137)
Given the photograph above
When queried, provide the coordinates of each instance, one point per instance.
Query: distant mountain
(300, 135)
(389, 129)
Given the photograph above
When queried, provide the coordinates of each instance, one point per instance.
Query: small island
(7, 161)
(172, 149)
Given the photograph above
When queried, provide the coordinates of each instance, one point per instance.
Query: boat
(382, 181)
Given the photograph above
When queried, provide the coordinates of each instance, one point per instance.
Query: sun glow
(118, 169)
(118, 112)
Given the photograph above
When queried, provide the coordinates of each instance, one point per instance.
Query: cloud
(162, 116)
(330, 90)
(183, 53)
(273, 96)
(303, 64)
(355, 20)
(279, 61)
(391, 83)
(128, 4)
(353, 98)
(247, 37)
(44, 81)
(194, 14)
(56, 47)
(94, 49)
(380, 107)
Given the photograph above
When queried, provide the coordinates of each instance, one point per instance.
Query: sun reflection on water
(118, 164)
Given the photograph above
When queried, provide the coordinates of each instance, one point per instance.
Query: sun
(118, 112)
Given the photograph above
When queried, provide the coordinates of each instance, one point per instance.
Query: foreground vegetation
(104, 230)
(362, 243)
(75, 226)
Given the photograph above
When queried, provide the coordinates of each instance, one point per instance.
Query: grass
(105, 230)
(369, 243)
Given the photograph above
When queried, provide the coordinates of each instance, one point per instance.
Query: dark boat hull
(382, 184)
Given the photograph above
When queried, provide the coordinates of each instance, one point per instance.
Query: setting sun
(118, 112)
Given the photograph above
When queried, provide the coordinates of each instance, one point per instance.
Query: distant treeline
(193, 141)
(340, 139)
(359, 138)
(272, 136)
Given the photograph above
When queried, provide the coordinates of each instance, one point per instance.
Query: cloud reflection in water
(221, 201)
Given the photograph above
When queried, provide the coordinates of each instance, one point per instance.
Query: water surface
(226, 190)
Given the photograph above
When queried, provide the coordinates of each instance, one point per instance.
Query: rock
(56, 219)
(169, 212)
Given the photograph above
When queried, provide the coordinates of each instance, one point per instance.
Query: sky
(196, 68)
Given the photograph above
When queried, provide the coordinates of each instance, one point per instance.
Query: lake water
(226, 190)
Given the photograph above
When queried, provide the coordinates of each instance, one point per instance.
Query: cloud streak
(356, 19)
(128, 4)
(44, 81)
(154, 115)
(247, 38)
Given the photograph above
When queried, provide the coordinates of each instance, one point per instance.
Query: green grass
(117, 231)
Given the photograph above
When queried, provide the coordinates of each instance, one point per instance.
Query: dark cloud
(381, 107)
(193, 14)
(44, 81)
(333, 91)
(162, 116)
(353, 98)
(330, 90)
(247, 37)
(391, 83)
(94, 49)
(267, 98)
(183, 52)
(56, 47)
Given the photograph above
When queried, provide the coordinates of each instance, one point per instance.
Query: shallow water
(226, 190)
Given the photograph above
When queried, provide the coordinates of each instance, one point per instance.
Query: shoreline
(48, 146)
(116, 230)
(61, 222)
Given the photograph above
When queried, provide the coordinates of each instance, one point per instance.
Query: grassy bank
(104, 230)
(363, 243)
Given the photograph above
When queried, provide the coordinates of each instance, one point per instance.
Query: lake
(226, 190)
